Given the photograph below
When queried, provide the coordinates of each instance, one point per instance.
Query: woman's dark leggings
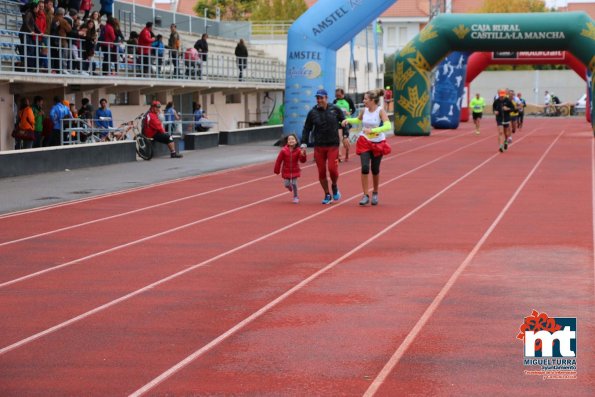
(368, 158)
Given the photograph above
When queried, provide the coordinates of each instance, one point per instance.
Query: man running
(477, 104)
(502, 107)
(323, 122)
(521, 104)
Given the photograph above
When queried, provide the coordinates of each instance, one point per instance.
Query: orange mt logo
(545, 336)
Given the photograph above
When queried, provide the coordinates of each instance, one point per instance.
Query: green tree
(499, 6)
(235, 10)
(278, 10)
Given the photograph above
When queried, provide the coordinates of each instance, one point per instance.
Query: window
(403, 36)
(233, 98)
(391, 36)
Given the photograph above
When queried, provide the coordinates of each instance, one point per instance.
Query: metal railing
(77, 131)
(273, 30)
(42, 54)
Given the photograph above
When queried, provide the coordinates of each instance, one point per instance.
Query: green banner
(569, 31)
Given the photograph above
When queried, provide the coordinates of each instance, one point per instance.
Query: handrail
(41, 54)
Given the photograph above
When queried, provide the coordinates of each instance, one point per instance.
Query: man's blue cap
(321, 93)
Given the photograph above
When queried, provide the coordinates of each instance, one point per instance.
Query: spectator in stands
(58, 112)
(107, 8)
(145, 39)
(27, 36)
(86, 7)
(191, 61)
(171, 116)
(131, 50)
(118, 30)
(59, 29)
(96, 18)
(153, 128)
(86, 110)
(202, 47)
(49, 15)
(103, 119)
(39, 115)
(89, 43)
(74, 111)
(42, 45)
(175, 45)
(110, 54)
(241, 57)
(157, 50)
(74, 5)
(26, 126)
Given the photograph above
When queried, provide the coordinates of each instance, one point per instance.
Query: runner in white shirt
(371, 144)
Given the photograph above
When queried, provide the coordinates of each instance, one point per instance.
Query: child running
(290, 157)
(371, 144)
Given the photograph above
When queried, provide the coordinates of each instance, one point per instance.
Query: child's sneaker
(175, 155)
(296, 200)
(327, 199)
(290, 187)
(374, 198)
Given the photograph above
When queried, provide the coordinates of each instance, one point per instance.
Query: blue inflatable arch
(312, 44)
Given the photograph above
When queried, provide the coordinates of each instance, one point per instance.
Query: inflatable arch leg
(312, 44)
(448, 91)
(572, 31)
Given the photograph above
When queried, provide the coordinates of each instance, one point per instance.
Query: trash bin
(157, 21)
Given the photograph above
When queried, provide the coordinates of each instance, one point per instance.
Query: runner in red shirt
(153, 128)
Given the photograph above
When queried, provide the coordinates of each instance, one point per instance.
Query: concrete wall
(566, 84)
(59, 158)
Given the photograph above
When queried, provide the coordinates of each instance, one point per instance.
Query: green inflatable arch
(569, 31)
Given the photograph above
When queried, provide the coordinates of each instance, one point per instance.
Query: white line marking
(172, 370)
(121, 192)
(118, 247)
(212, 259)
(410, 338)
(163, 203)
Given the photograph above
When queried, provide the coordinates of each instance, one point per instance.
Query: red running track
(244, 293)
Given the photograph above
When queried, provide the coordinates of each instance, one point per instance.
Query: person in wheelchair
(152, 128)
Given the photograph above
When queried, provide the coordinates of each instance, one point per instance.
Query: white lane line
(410, 338)
(166, 203)
(121, 192)
(177, 367)
(202, 220)
(136, 189)
(201, 264)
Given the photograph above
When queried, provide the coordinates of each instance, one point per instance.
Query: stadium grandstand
(131, 76)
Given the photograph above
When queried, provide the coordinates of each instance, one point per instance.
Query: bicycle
(132, 130)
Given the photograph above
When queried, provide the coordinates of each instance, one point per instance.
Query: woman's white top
(372, 120)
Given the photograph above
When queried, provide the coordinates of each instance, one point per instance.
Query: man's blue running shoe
(327, 199)
(337, 195)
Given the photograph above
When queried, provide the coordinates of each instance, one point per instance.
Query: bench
(161, 149)
(247, 135)
(201, 140)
